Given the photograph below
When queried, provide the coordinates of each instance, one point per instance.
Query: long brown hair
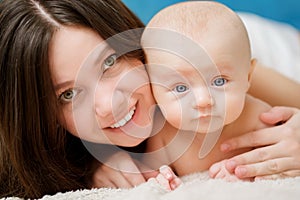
(37, 156)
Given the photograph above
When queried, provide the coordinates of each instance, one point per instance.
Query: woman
(38, 156)
(43, 45)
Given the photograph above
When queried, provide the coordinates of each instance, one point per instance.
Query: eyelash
(218, 78)
(64, 101)
(186, 88)
(106, 66)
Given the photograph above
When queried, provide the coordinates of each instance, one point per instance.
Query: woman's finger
(286, 174)
(134, 179)
(257, 138)
(268, 167)
(100, 182)
(130, 171)
(146, 171)
(107, 177)
(278, 150)
(277, 114)
(121, 181)
(104, 184)
(268, 136)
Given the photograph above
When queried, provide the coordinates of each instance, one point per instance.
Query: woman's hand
(120, 171)
(277, 152)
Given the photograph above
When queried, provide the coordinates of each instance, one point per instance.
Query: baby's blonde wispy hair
(194, 18)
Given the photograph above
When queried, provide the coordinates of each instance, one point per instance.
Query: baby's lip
(205, 115)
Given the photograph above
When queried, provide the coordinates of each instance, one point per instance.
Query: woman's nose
(108, 102)
(203, 98)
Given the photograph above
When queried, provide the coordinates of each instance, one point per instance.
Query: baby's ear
(253, 63)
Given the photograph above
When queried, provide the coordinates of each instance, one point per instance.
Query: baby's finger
(215, 169)
(163, 182)
(167, 172)
(175, 183)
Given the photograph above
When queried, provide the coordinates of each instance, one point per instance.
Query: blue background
(286, 11)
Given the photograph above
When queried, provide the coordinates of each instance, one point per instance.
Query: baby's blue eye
(68, 95)
(110, 61)
(219, 81)
(180, 88)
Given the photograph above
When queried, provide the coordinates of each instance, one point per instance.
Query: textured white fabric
(275, 44)
(195, 186)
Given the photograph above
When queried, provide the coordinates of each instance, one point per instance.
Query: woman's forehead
(70, 46)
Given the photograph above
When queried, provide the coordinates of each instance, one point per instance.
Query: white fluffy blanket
(195, 186)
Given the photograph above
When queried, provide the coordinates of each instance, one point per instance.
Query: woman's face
(104, 98)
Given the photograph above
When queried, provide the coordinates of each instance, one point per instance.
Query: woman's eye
(110, 61)
(180, 88)
(219, 81)
(68, 95)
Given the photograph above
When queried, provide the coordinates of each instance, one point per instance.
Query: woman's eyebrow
(62, 85)
(102, 53)
(95, 57)
(92, 60)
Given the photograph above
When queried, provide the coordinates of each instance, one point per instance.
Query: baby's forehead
(169, 63)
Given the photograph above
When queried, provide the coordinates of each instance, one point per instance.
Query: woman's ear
(253, 63)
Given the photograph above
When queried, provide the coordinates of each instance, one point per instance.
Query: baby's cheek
(172, 113)
(234, 107)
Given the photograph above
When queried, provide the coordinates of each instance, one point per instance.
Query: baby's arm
(274, 88)
(167, 178)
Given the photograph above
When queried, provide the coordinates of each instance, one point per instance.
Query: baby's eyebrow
(172, 77)
(224, 68)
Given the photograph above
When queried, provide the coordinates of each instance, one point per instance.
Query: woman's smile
(124, 121)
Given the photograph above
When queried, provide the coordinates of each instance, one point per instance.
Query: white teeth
(123, 121)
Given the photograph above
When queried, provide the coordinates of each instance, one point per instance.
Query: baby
(199, 63)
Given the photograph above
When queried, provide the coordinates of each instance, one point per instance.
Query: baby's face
(204, 93)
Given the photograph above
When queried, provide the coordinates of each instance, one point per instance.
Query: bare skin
(183, 91)
(263, 137)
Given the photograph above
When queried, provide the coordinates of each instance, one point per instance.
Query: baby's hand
(167, 178)
(219, 171)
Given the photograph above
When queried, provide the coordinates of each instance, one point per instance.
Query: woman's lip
(125, 119)
(134, 108)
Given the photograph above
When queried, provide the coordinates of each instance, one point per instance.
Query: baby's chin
(204, 127)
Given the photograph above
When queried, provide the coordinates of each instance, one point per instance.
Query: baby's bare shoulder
(252, 110)
(254, 106)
